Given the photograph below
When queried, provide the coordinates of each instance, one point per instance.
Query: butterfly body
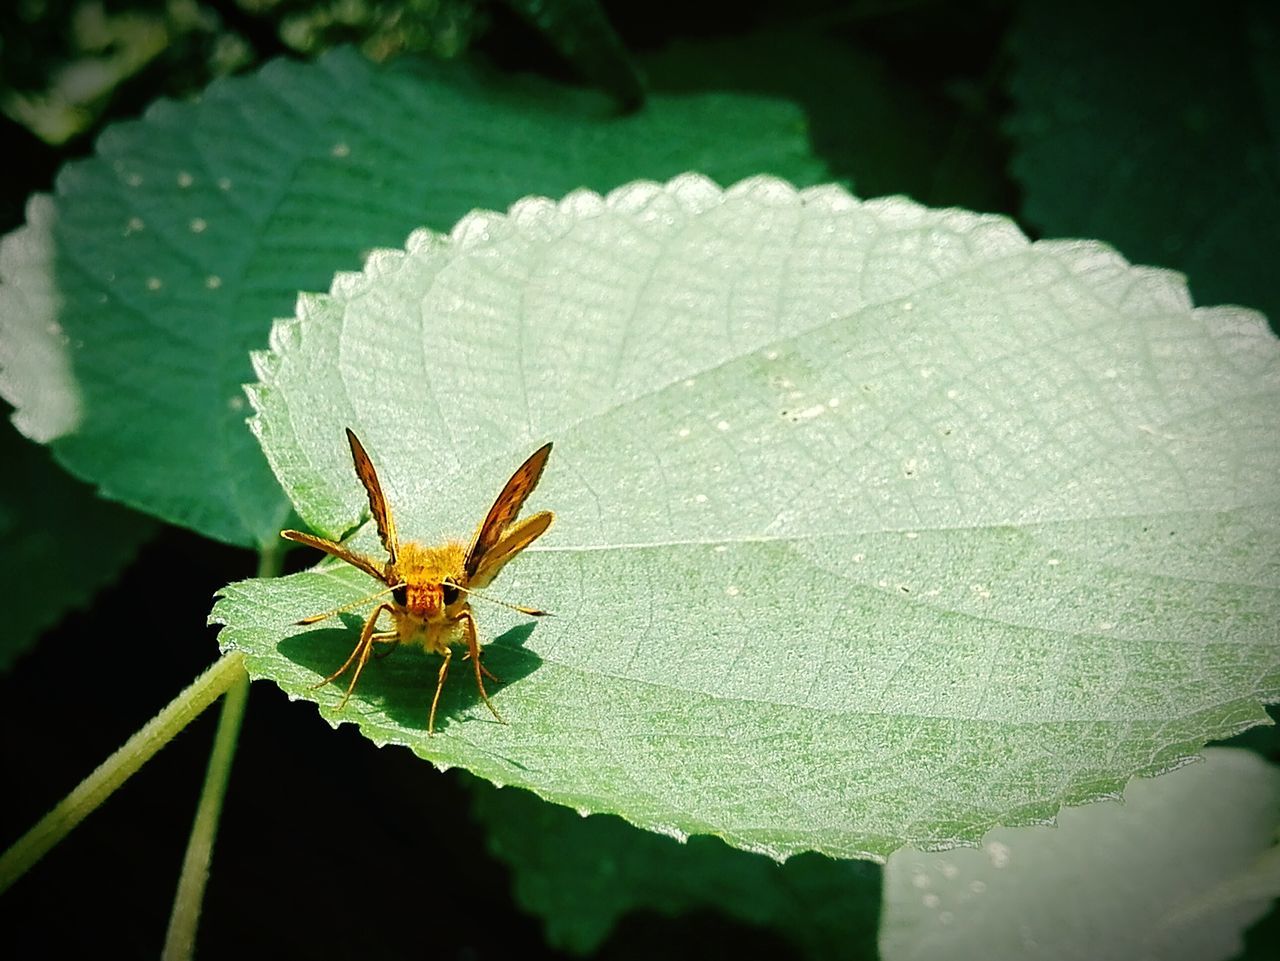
(430, 586)
(425, 571)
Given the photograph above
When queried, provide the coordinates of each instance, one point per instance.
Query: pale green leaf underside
(875, 525)
(1162, 876)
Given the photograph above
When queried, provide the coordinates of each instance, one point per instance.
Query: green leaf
(1157, 877)
(876, 525)
(1156, 131)
(581, 875)
(61, 543)
(132, 297)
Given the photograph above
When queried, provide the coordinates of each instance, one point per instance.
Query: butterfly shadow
(401, 683)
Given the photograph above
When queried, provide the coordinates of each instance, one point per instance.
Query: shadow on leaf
(401, 684)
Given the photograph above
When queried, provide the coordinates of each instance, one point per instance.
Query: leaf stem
(119, 767)
(180, 939)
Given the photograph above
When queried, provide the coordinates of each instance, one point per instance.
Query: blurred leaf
(583, 35)
(132, 297)
(876, 525)
(381, 28)
(99, 50)
(1262, 941)
(1157, 877)
(61, 543)
(581, 875)
(1154, 126)
(882, 133)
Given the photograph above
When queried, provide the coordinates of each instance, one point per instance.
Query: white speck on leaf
(998, 854)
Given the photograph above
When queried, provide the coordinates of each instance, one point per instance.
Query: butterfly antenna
(317, 618)
(531, 611)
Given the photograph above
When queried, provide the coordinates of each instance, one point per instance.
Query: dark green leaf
(581, 875)
(1155, 127)
(581, 32)
(61, 543)
(132, 297)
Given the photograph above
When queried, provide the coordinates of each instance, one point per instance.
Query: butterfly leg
(444, 672)
(364, 659)
(359, 652)
(473, 650)
(483, 670)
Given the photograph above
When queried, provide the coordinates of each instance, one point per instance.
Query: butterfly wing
(377, 503)
(366, 564)
(518, 536)
(505, 510)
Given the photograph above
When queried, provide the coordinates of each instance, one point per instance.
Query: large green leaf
(1176, 872)
(876, 525)
(1155, 127)
(132, 297)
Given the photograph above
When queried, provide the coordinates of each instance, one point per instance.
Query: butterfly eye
(400, 594)
(450, 593)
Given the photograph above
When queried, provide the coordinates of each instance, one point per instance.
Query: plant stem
(119, 767)
(180, 939)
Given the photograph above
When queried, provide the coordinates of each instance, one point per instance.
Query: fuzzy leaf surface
(876, 525)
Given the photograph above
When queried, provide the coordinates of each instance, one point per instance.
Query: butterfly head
(425, 580)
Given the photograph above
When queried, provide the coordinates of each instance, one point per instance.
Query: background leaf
(1154, 126)
(1177, 871)
(132, 297)
(61, 543)
(876, 525)
(580, 31)
(1109, 882)
(581, 875)
(922, 146)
